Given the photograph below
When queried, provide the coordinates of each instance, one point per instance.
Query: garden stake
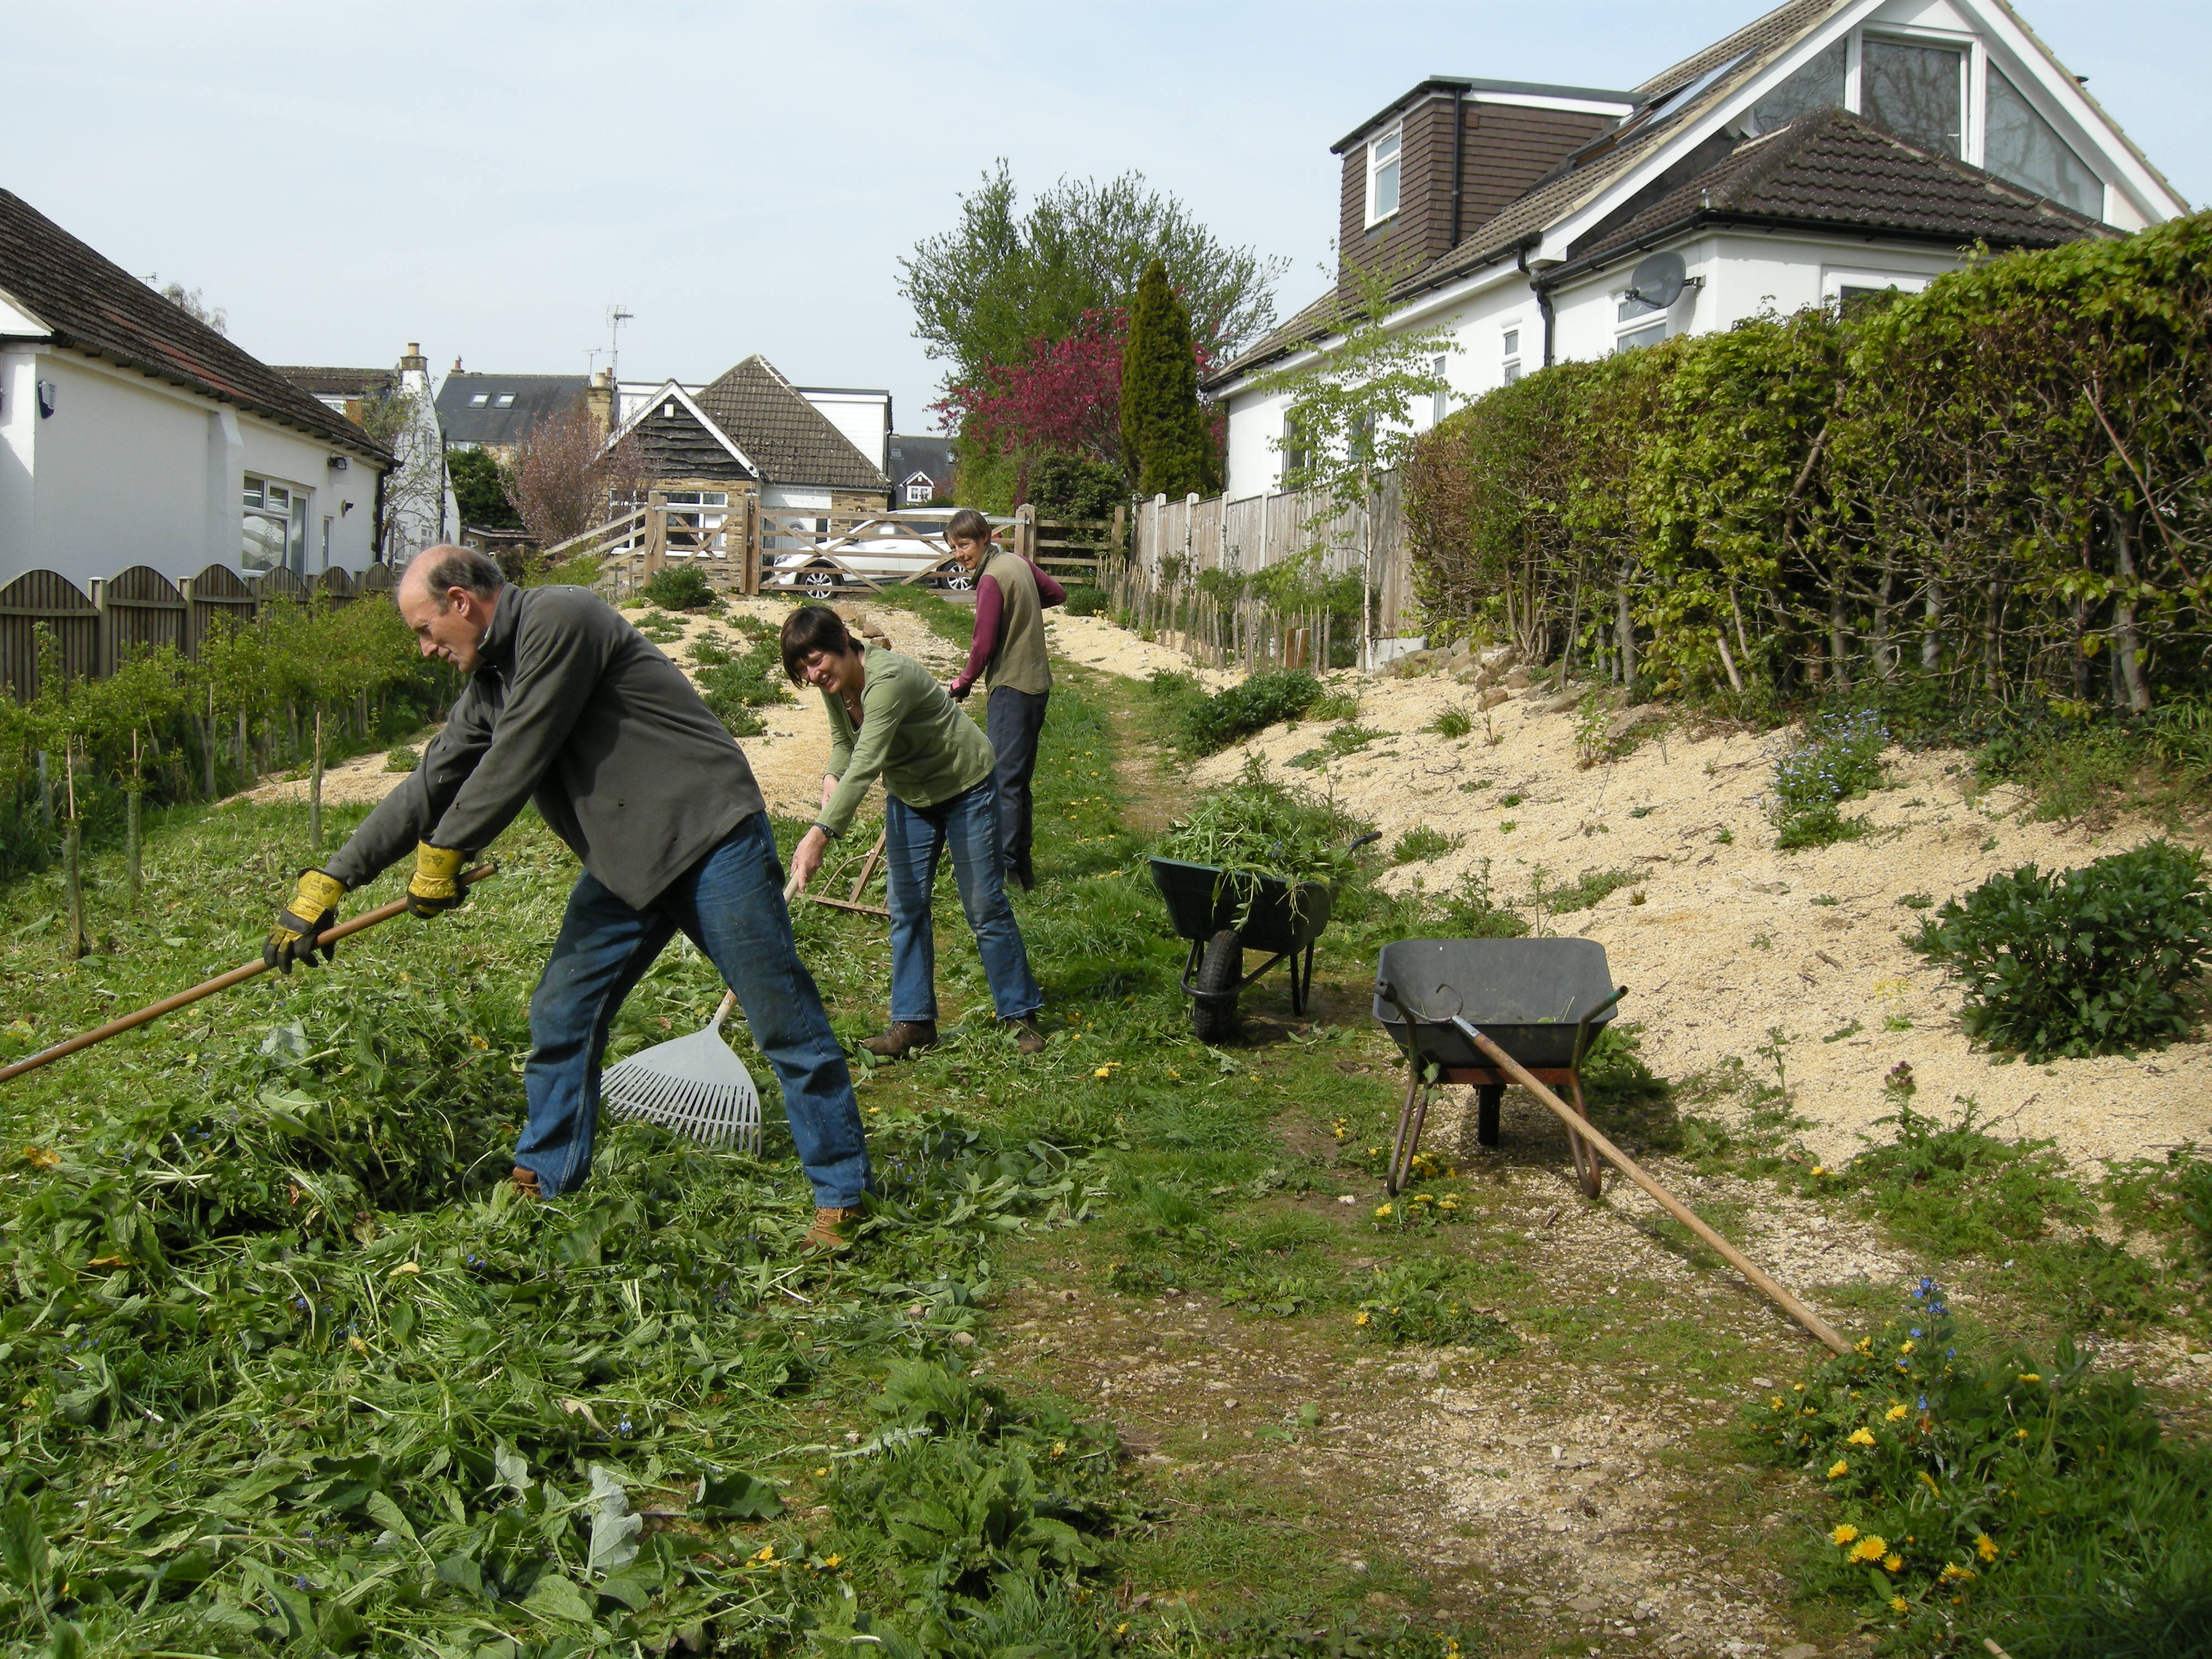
(208, 987)
(1577, 1125)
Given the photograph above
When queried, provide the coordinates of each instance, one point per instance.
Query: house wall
(1419, 230)
(865, 418)
(129, 471)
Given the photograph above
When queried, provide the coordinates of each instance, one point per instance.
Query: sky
(488, 177)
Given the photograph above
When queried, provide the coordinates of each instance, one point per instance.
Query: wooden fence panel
(279, 583)
(216, 597)
(379, 578)
(335, 587)
(46, 597)
(139, 611)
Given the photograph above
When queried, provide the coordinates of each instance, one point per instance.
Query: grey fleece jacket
(576, 709)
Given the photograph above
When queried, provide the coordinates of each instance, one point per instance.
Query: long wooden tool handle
(1576, 1124)
(208, 987)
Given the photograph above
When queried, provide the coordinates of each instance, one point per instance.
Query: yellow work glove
(300, 925)
(436, 886)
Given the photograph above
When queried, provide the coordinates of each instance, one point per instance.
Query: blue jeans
(730, 904)
(914, 838)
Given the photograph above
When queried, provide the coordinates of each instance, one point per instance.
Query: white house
(132, 433)
(419, 510)
(862, 414)
(1830, 147)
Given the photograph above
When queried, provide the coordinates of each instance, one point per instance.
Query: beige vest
(1020, 661)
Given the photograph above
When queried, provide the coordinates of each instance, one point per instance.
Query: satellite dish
(1658, 280)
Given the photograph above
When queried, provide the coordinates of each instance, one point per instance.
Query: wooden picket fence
(140, 610)
(1246, 634)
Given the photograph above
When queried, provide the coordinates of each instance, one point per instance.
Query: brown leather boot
(828, 1232)
(524, 1182)
(906, 1037)
(1027, 1037)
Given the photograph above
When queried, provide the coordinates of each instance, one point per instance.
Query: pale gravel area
(1727, 942)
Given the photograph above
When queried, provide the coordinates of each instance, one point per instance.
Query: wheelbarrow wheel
(1213, 1007)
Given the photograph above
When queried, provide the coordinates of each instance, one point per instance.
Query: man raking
(569, 705)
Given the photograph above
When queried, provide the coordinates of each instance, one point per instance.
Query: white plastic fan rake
(692, 1085)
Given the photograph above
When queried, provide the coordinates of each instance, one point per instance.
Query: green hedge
(1999, 484)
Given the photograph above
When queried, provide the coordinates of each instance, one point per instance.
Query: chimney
(457, 365)
(414, 360)
(600, 400)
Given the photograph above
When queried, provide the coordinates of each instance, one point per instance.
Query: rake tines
(693, 1087)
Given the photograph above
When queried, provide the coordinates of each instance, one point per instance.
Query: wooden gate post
(656, 533)
(1025, 541)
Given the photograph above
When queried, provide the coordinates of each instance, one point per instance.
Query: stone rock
(1558, 703)
(1497, 657)
(1799, 1650)
(1588, 1604)
(1518, 680)
(1491, 698)
(1471, 674)
(1629, 719)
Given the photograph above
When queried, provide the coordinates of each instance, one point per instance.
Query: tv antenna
(616, 318)
(592, 360)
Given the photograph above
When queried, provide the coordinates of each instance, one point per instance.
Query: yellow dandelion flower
(1899, 1605)
(1820, 1169)
(1059, 1448)
(1103, 1072)
(1859, 1437)
(1985, 1546)
(1839, 1470)
(1774, 1403)
(833, 1560)
(1869, 1548)
(2020, 1434)
(1907, 1348)
(1381, 1210)
(766, 1553)
(819, 1473)
(1362, 1320)
(2030, 1376)
(1897, 1413)
(1844, 1534)
(1892, 1561)
(1953, 1573)
(1865, 1346)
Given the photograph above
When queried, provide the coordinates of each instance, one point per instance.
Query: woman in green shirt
(889, 718)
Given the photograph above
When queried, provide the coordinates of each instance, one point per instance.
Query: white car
(886, 551)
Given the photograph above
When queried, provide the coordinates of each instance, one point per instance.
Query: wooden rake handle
(1577, 1124)
(208, 987)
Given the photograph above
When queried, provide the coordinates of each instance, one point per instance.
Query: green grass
(1420, 844)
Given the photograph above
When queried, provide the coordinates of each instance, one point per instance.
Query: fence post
(656, 533)
(103, 650)
(749, 553)
(1122, 527)
(1025, 540)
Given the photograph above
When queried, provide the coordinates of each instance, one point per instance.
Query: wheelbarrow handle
(1372, 835)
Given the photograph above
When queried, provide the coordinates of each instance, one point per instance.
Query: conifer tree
(1164, 442)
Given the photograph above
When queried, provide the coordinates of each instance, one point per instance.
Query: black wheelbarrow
(1541, 1000)
(1226, 912)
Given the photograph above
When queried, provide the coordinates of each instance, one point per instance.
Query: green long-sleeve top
(911, 735)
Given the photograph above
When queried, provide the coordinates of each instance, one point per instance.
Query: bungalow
(749, 432)
(133, 434)
(1831, 148)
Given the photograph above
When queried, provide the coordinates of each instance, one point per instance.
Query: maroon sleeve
(988, 604)
(1049, 592)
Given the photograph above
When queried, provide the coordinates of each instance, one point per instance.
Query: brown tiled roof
(91, 305)
(338, 382)
(1778, 27)
(786, 437)
(1831, 168)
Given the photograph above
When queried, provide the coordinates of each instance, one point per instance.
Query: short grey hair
(449, 567)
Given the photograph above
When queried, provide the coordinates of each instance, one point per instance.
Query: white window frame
(1660, 316)
(1510, 356)
(920, 492)
(296, 508)
(1394, 132)
(1834, 279)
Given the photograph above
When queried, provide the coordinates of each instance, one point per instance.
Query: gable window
(920, 492)
(2019, 144)
(1917, 91)
(1383, 155)
(1816, 86)
(1509, 352)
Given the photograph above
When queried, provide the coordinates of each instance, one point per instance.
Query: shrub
(401, 759)
(681, 587)
(1452, 723)
(1837, 759)
(1240, 710)
(2081, 962)
(1084, 601)
(581, 571)
(1471, 912)
(1420, 844)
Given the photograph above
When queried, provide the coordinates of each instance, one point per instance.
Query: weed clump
(1258, 827)
(1979, 1493)
(1837, 759)
(1452, 723)
(1084, 601)
(2080, 962)
(1420, 844)
(1213, 723)
(681, 587)
(735, 680)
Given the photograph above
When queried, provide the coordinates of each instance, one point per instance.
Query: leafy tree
(564, 472)
(1165, 442)
(413, 502)
(984, 291)
(480, 490)
(1060, 398)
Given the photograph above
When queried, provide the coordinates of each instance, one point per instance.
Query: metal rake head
(693, 1087)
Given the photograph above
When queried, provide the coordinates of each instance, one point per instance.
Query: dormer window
(1917, 91)
(1383, 155)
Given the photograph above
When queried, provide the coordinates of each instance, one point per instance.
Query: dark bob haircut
(968, 525)
(809, 628)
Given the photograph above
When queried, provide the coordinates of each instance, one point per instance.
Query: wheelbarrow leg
(1489, 1096)
(1301, 986)
(1589, 1168)
(1412, 1117)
